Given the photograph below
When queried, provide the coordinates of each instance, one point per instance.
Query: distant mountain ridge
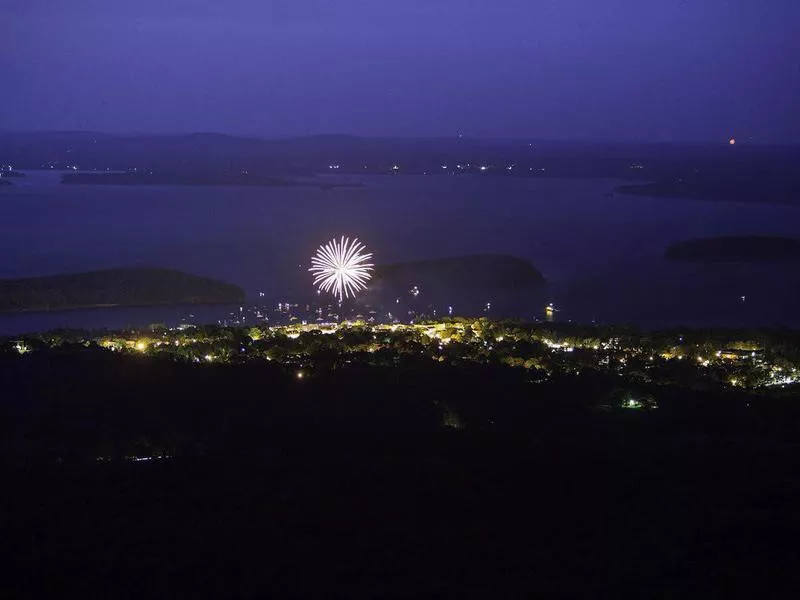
(742, 172)
(219, 151)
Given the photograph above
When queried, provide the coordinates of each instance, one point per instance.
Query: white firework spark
(341, 268)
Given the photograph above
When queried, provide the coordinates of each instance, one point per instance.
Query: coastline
(712, 192)
(133, 179)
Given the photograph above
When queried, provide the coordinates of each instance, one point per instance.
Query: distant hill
(473, 272)
(736, 249)
(114, 287)
(215, 156)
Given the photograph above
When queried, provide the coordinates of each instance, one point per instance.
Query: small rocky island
(464, 273)
(749, 248)
(114, 287)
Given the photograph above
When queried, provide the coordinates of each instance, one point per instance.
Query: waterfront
(601, 254)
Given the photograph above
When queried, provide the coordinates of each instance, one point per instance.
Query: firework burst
(341, 267)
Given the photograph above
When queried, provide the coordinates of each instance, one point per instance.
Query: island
(114, 287)
(471, 272)
(748, 248)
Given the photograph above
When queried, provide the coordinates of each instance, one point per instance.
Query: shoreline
(133, 180)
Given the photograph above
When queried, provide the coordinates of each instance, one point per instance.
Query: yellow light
(141, 346)
(299, 374)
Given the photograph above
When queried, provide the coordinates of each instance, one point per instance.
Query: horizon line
(455, 137)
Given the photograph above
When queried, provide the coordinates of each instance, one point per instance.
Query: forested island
(114, 287)
(472, 272)
(748, 248)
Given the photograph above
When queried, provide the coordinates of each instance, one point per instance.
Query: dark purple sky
(581, 69)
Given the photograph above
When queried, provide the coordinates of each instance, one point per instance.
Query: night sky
(563, 69)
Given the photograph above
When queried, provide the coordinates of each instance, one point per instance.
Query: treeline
(74, 396)
(83, 405)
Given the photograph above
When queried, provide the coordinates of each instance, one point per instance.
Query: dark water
(602, 255)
